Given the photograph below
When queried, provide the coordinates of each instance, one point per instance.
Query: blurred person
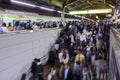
(10, 28)
(82, 37)
(101, 27)
(71, 51)
(88, 54)
(52, 57)
(99, 43)
(34, 68)
(23, 77)
(22, 26)
(60, 55)
(101, 68)
(65, 59)
(93, 58)
(80, 57)
(62, 44)
(67, 73)
(17, 26)
(88, 39)
(40, 70)
(86, 73)
(77, 69)
(4, 28)
(61, 70)
(54, 24)
(34, 26)
(29, 25)
(77, 40)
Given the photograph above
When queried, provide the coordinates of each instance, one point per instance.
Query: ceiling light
(23, 3)
(97, 11)
(111, 6)
(78, 12)
(59, 11)
(45, 8)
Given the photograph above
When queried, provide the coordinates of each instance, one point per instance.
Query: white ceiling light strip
(60, 12)
(45, 8)
(32, 5)
(23, 3)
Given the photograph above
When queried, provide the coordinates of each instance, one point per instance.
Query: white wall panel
(17, 51)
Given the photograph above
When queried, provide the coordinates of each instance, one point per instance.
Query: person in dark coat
(67, 73)
(71, 51)
(40, 70)
(52, 58)
(34, 68)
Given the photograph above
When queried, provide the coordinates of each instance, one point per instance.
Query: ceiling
(73, 5)
(81, 4)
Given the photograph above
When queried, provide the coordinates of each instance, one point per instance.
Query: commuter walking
(40, 71)
(67, 73)
(34, 68)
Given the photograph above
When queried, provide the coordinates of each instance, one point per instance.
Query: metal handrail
(117, 35)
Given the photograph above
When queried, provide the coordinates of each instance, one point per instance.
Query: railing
(43, 58)
(114, 61)
(117, 35)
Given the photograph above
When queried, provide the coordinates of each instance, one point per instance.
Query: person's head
(4, 24)
(53, 48)
(78, 62)
(35, 60)
(23, 76)
(66, 65)
(17, 23)
(65, 51)
(38, 60)
(100, 58)
(9, 24)
(64, 56)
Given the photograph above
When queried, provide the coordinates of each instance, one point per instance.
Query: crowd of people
(29, 25)
(81, 51)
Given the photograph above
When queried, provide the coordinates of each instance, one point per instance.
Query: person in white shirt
(60, 56)
(4, 28)
(35, 27)
(83, 37)
(65, 57)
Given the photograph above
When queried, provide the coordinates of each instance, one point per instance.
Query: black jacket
(40, 70)
(69, 75)
(33, 67)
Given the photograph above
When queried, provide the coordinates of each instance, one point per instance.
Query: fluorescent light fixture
(78, 12)
(45, 8)
(111, 6)
(23, 3)
(97, 11)
(59, 11)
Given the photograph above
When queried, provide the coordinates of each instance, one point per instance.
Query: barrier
(17, 51)
(114, 60)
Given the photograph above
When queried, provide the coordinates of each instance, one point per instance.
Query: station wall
(10, 15)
